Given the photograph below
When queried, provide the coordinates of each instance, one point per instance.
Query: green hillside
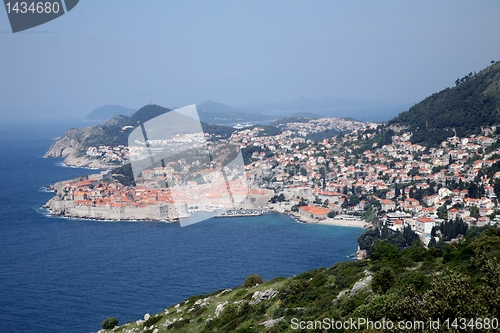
(472, 103)
(460, 280)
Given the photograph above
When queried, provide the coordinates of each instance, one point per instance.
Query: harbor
(240, 212)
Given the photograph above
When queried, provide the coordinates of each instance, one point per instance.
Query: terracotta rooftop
(315, 210)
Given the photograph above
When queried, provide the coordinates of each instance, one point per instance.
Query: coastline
(82, 162)
(330, 221)
(345, 223)
(64, 165)
(86, 163)
(63, 209)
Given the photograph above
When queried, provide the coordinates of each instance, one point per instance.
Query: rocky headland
(72, 145)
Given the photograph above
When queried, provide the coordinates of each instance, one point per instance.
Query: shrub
(383, 280)
(109, 323)
(292, 291)
(253, 280)
(383, 250)
(245, 330)
(416, 279)
(152, 320)
(229, 314)
(177, 324)
(319, 280)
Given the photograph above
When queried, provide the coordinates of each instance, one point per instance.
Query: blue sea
(64, 275)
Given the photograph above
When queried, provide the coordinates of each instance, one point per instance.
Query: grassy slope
(460, 280)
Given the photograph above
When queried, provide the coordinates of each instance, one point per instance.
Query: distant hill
(350, 118)
(115, 132)
(472, 103)
(107, 112)
(211, 106)
(295, 118)
(218, 113)
(115, 135)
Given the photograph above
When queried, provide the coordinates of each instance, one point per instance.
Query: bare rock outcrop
(71, 146)
(72, 141)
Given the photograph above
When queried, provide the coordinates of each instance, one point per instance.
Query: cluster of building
(111, 155)
(107, 200)
(98, 197)
(324, 124)
(327, 174)
(345, 174)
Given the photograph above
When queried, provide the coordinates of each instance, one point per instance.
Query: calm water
(62, 275)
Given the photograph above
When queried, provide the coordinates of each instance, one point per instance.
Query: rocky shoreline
(68, 209)
(328, 221)
(60, 208)
(84, 162)
(69, 147)
(57, 206)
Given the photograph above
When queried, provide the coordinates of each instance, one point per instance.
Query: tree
(344, 190)
(109, 323)
(367, 239)
(491, 270)
(253, 280)
(442, 212)
(496, 186)
(432, 243)
(383, 280)
(474, 212)
(383, 250)
(451, 296)
(452, 229)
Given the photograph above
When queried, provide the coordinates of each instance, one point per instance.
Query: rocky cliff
(71, 146)
(72, 141)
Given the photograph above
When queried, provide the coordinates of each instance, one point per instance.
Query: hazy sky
(178, 52)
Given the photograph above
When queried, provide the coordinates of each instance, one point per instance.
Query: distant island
(106, 112)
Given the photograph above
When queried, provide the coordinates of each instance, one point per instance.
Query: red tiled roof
(315, 210)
